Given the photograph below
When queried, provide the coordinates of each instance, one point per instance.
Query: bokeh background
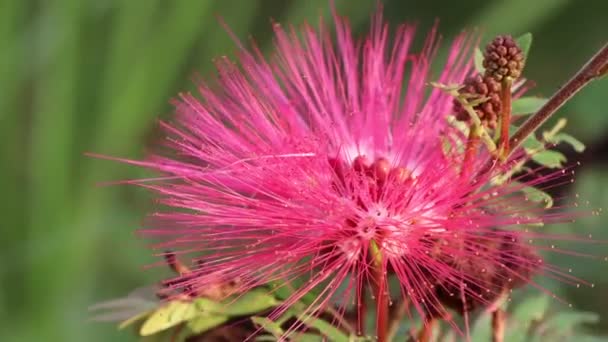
(82, 76)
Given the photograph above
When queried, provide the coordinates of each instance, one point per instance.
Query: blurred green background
(82, 76)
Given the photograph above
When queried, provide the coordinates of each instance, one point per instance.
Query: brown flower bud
(481, 87)
(503, 58)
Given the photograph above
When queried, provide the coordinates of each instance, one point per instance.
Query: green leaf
(283, 291)
(531, 309)
(332, 333)
(267, 324)
(481, 328)
(133, 320)
(527, 105)
(532, 144)
(538, 196)
(203, 323)
(525, 42)
(308, 337)
(563, 326)
(167, 316)
(252, 302)
(576, 144)
(550, 159)
(478, 58)
(569, 320)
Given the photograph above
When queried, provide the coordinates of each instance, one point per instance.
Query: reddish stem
(361, 306)
(382, 302)
(426, 332)
(505, 117)
(498, 325)
(595, 67)
(470, 151)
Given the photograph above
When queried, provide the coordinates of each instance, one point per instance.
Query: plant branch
(340, 319)
(361, 305)
(381, 292)
(425, 334)
(498, 325)
(597, 66)
(470, 152)
(505, 117)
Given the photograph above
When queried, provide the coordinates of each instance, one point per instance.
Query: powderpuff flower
(332, 161)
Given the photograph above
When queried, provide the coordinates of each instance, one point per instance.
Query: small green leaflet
(527, 105)
(531, 309)
(167, 316)
(576, 144)
(267, 324)
(137, 318)
(478, 59)
(203, 323)
(565, 322)
(325, 329)
(482, 328)
(532, 144)
(550, 159)
(538, 196)
(251, 302)
(328, 330)
(202, 314)
(525, 42)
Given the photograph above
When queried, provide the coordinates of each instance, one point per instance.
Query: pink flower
(334, 162)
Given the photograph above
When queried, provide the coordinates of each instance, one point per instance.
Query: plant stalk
(596, 67)
(470, 151)
(380, 291)
(361, 305)
(505, 117)
(426, 333)
(498, 325)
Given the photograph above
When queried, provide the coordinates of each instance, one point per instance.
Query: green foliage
(540, 152)
(298, 311)
(535, 319)
(328, 330)
(167, 316)
(576, 144)
(525, 43)
(550, 159)
(536, 195)
(198, 315)
(202, 323)
(478, 59)
(251, 302)
(270, 326)
(527, 105)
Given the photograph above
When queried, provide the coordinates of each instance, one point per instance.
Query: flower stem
(498, 325)
(426, 332)
(380, 287)
(505, 117)
(361, 306)
(596, 67)
(470, 150)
